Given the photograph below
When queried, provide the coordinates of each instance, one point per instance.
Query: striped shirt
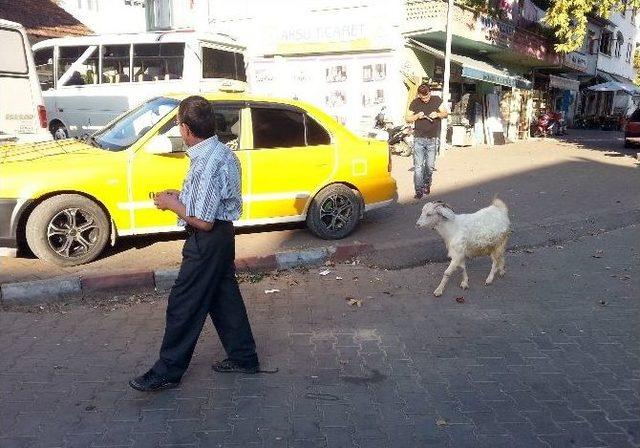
(212, 188)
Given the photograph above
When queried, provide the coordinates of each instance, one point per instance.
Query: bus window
(14, 56)
(240, 69)
(78, 65)
(218, 64)
(115, 64)
(157, 62)
(44, 67)
(222, 64)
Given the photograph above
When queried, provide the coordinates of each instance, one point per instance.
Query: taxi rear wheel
(67, 230)
(334, 212)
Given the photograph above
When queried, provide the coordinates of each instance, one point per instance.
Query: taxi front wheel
(334, 212)
(67, 230)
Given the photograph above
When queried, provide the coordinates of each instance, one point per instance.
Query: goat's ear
(445, 212)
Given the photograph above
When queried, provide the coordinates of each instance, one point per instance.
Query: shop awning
(474, 69)
(606, 77)
(615, 86)
(561, 82)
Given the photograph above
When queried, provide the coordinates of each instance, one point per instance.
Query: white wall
(108, 16)
(621, 65)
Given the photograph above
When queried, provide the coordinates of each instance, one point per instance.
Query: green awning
(474, 69)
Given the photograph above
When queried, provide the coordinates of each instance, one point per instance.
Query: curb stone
(386, 255)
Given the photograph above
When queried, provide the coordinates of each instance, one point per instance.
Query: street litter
(338, 278)
(271, 291)
(598, 254)
(353, 302)
(529, 251)
(325, 272)
(602, 302)
(441, 422)
(460, 299)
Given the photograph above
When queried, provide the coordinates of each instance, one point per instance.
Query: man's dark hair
(424, 89)
(197, 113)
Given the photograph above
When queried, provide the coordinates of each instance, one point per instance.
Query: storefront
(350, 69)
(488, 105)
(555, 94)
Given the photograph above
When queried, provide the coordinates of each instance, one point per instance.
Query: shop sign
(494, 78)
(576, 61)
(305, 38)
(564, 83)
(496, 32)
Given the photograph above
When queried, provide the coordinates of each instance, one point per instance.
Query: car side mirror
(159, 144)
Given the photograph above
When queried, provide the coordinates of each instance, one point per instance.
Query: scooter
(399, 138)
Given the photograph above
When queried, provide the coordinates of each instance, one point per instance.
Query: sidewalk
(546, 357)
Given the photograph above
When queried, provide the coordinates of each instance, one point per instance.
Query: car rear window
(277, 128)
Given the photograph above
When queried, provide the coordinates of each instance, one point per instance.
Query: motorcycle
(399, 138)
(549, 123)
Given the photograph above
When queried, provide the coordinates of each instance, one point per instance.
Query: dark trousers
(206, 285)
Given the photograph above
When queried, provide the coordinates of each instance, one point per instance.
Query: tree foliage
(569, 19)
(636, 66)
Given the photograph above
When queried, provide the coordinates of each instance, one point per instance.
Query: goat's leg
(501, 250)
(447, 273)
(494, 267)
(465, 278)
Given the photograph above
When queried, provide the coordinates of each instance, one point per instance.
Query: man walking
(206, 285)
(426, 111)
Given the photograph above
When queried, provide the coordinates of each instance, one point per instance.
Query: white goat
(484, 232)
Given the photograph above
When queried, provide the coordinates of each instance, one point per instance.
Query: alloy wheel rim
(72, 233)
(336, 212)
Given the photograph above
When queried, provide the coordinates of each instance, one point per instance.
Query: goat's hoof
(488, 282)
(464, 285)
(437, 293)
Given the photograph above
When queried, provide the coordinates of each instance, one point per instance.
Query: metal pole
(447, 72)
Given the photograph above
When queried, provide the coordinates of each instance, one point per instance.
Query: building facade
(108, 16)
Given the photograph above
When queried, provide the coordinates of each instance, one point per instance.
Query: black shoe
(150, 382)
(229, 366)
(418, 195)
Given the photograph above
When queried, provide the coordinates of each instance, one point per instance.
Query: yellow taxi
(68, 199)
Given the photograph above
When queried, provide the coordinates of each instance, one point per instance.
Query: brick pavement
(546, 357)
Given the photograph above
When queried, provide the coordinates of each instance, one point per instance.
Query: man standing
(210, 200)
(426, 111)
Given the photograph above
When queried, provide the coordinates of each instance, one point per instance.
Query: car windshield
(125, 131)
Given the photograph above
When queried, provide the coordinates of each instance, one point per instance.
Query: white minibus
(23, 117)
(90, 80)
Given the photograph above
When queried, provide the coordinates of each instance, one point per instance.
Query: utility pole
(447, 72)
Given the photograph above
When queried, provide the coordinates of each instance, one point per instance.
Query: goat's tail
(499, 203)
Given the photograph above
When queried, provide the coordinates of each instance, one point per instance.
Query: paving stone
(520, 364)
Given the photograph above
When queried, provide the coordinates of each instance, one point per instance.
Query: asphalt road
(586, 173)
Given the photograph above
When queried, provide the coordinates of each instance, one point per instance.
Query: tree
(568, 18)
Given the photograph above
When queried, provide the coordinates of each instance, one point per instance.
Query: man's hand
(419, 115)
(174, 192)
(433, 115)
(166, 201)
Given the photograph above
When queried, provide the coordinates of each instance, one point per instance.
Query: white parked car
(23, 117)
(88, 81)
